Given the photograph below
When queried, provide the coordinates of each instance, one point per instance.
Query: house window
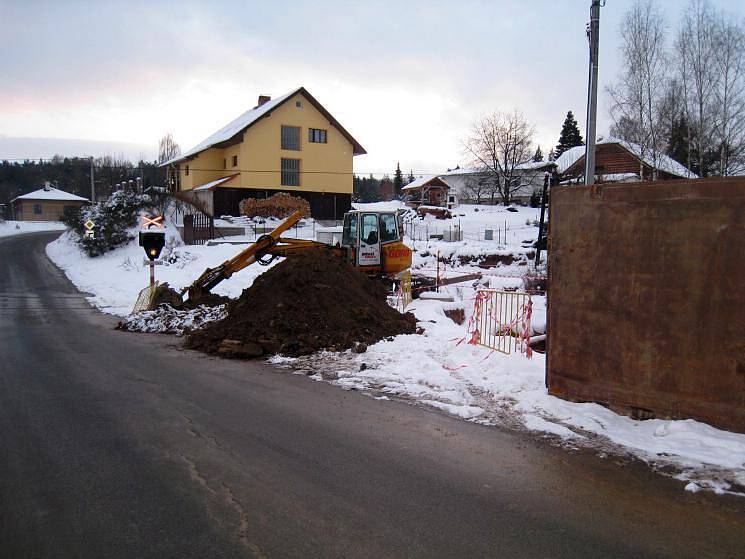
(224, 163)
(316, 135)
(299, 104)
(37, 209)
(290, 172)
(235, 161)
(291, 137)
(187, 170)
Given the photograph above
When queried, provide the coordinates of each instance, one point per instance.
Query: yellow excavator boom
(212, 276)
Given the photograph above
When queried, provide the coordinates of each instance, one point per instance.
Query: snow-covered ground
(8, 228)
(472, 382)
(434, 369)
(115, 279)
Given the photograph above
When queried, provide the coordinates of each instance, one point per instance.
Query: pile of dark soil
(307, 303)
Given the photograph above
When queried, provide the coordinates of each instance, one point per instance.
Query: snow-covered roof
(249, 117)
(51, 193)
(534, 165)
(422, 181)
(664, 163)
(214, 184)
(569, 158)
(528, 166)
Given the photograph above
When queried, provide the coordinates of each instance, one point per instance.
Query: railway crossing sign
(148, 221)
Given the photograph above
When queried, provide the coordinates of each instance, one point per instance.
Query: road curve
(123, 445)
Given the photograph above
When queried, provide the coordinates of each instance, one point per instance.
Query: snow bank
(167, 320)
(115, 279)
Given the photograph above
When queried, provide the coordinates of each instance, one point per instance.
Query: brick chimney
(264, 99)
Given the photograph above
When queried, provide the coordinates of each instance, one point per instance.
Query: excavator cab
(375, 242)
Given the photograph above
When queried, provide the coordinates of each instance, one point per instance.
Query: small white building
(476, 186)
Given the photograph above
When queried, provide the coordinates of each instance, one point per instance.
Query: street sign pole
(152, 242)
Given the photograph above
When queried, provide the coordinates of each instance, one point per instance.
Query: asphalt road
(115, 445)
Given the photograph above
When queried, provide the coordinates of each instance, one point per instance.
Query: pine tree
(411, 178)
(552, 155)
(398, 181)
(538, 155)
(570, 136)
(678, 142)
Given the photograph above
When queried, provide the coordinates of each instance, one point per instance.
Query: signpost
(152, 242)
(89, 233)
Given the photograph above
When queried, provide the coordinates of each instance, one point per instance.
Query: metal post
(546, 180)
(592, 91)
(152, 274)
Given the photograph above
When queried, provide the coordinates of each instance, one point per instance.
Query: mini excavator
(371, 241)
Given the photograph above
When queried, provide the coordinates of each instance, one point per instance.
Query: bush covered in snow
(112, 220)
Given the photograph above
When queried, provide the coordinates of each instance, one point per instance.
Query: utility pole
(93, 184)
(592, 90)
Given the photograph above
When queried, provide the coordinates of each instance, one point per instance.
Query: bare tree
(499, 143)
(168, 149)
(475, 187)
(729, 96)
(695, 48)
(637, 98)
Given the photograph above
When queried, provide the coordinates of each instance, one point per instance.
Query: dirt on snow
(307, 303)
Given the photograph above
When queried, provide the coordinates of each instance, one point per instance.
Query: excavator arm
(271, 244)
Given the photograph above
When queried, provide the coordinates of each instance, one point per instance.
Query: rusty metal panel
(646, 310)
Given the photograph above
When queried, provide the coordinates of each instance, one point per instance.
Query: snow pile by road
(115, 279)
(477, 384)
(8, 228)
(167, 320)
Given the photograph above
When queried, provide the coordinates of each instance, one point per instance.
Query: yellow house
(289, 144)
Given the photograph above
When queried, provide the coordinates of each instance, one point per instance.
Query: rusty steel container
(646, 310)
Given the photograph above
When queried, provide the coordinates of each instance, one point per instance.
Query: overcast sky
(406, 78)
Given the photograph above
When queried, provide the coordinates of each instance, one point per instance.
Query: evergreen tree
(538, 155)
(570, 136)
(398, 181)
(411, 178)
(552, 155)
(677, 147)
